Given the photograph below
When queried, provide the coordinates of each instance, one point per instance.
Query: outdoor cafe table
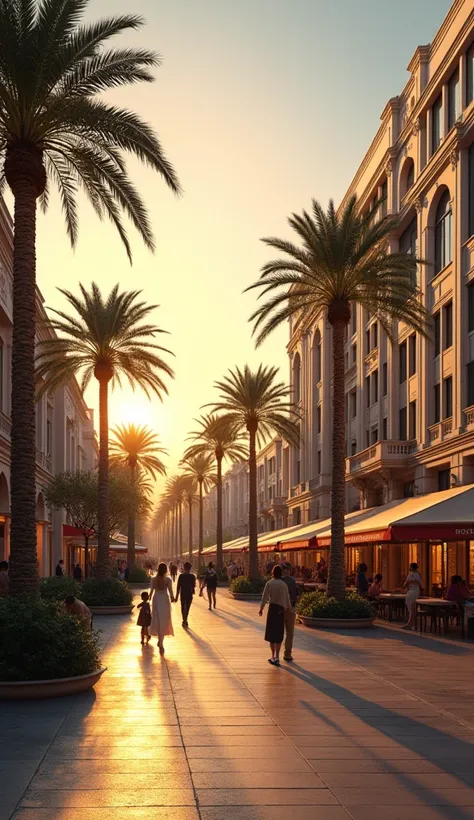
(438, 609)
(392, 599)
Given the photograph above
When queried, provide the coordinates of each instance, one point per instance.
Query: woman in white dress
(161, 597)
(414, 587)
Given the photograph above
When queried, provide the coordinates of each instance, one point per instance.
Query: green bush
(317, 605)
(111, 592)
(57, 588)
(242, 584)
(40, 640)
(138, 575)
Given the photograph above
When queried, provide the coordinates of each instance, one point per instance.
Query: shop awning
(118, 542)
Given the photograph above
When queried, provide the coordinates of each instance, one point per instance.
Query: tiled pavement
(364, 725)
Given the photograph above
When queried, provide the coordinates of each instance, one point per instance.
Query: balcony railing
(441, 430)
(44, 461)
(392, 453)
(469, 414)
(299, 489)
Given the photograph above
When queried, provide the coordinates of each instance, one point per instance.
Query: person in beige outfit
(277, 596)
(290, 614)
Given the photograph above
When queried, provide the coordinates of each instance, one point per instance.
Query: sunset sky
(260, 105)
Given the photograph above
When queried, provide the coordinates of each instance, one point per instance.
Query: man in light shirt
(79, 609)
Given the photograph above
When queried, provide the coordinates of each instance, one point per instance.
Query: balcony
(469, 414)
(382, 455)
(371, 360)
(299, 489)
(44, 461)
(442, 429)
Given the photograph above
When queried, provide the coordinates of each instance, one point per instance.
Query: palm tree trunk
(336, 586)
(103, 564)
(23, 569)
(180, 529)
(219, 534)
(201, 525)
(131, 524)
(86, 556)
(254, 573)
(190, 531)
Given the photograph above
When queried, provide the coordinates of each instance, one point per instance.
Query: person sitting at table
(458, 591)
(362, 583)
(414, 587)
(376, 586)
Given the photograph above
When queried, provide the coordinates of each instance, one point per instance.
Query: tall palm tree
(107, 339)
(253, 402)
(189, 492)
(220, 439)
(175, 494)
(136, 447)
(341, 260)
(56, 128)
(201, 468)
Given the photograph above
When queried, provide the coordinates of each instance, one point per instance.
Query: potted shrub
(316, 609)
(107, 597)
(44, 650)
(242, 589)
(138, 577)
(58, 588)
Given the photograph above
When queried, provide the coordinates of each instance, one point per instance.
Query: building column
(458, 162)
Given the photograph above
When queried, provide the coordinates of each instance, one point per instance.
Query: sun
(133, 411)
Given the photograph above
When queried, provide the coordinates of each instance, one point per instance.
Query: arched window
(317, 358)
(407, 177)
(297, 378)
(410, 175)
(443, 233)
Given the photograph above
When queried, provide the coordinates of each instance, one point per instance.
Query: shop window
(444, 480)
(448, 326)
(443, 235)
(412, 355)
(454, 101)
(448, 397)
(403, 424)
(403, 362)
(436, 123)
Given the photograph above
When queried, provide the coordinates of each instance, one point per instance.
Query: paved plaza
(364, 725)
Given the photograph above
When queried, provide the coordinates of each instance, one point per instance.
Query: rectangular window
(448, 397)
(318, 417)
(367, 390)
(353, 447)
(375, 387)
(384, 429)
(470, 307)
(408, 239)
(437, 404)
(384, 379)
(403, 424)
(443, 480)
(436, 123)
(353, 354)
(375, 435)
(49, 432)
(470, 384)
(367, 438)
(412, 420)
(367, 341)
(412, 355)
(353, 404)
(384, 197)
(403, 362)
(471, 189)
(375, 336)
(470, 74)
(319, 462)
(454, 100)
(437, 333)
(448, 326)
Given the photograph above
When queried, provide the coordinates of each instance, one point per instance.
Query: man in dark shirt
(290, 614)
(185, 591)
(60, 568)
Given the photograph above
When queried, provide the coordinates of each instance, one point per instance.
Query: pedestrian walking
(173, 571)
(77, 573)
(60, 568)
(277, 596)
(210, 582)
(290, 613)
(185, 591)
(144, 618)
(161, 596)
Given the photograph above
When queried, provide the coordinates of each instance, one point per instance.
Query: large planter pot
(246, 596)
(111, 610)
(337, 623)
(56, 688)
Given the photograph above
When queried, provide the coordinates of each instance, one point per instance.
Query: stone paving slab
(360, 726)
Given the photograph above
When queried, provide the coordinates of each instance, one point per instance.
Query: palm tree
(220, 440)
(254, 403)
(189, 491)
(201, 468)
(56, 128)
(105, 339)
(342, 260)
(136, 447)
(175, 494)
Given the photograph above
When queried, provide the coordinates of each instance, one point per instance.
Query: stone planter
(57, 688)
(246, 596)
(111, 610)
(337, 623)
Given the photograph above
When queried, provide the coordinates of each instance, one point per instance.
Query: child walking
(144, 618)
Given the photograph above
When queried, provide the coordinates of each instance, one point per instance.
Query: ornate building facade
(409, 405)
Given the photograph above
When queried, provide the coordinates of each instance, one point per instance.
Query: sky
(260, 105)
